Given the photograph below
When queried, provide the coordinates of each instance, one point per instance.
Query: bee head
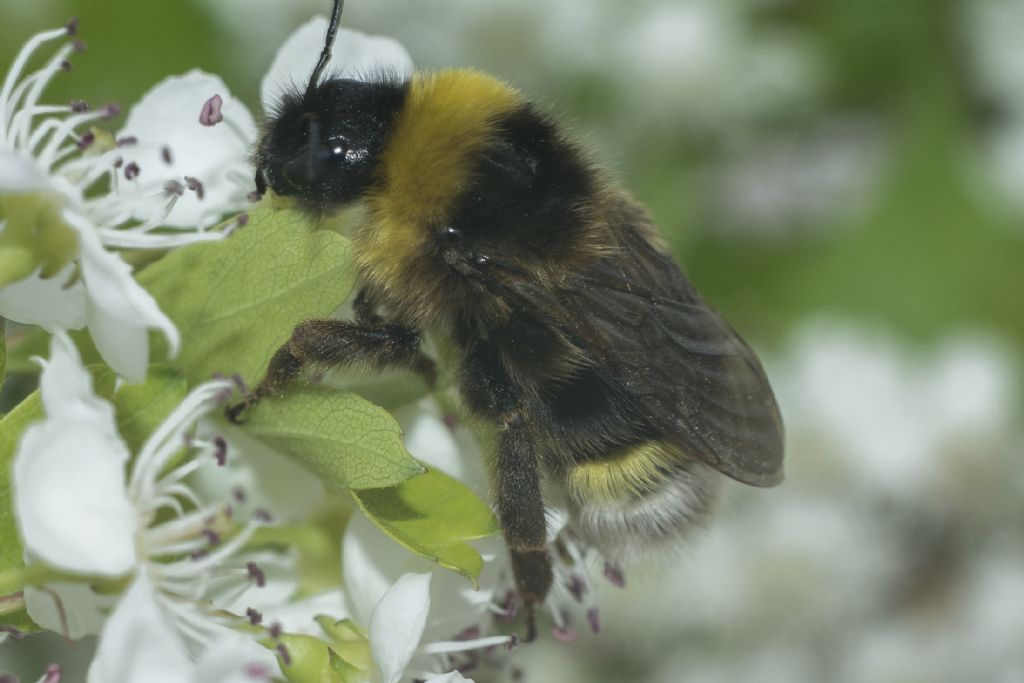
(324, 145)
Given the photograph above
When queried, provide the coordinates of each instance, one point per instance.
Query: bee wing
(696, 380)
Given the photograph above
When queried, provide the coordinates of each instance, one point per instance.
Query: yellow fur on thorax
(447, 117)
(633, 472)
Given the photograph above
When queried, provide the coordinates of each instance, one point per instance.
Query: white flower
(391, 590)
(205, 135)
(63, 210)
(80, 512)
(396, 628)
(138, 645)
(354, 55)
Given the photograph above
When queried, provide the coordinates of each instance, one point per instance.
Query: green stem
(14, 580)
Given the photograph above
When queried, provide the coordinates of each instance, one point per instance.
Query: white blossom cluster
(148, 548)
(990, 31)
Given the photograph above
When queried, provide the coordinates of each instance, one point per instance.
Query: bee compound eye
(451, 234)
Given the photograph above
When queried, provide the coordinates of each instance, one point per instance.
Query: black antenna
(325, 55)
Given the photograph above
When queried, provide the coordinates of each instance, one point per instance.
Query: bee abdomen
(646, 498)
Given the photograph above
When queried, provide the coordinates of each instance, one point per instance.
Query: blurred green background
(923, 246)
(845, 181)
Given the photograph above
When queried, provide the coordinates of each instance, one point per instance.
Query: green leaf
(3, 353)
(344, 439)
(349, 650)
(236, 301)
(27, 343)
(433, 515)
(142, 407)
(11, 428)
(309, 660)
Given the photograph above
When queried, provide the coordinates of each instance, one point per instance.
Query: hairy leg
(340, 343)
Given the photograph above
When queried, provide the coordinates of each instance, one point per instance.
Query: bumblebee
(571, 329)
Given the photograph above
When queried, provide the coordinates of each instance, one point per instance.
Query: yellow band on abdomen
(633, 472)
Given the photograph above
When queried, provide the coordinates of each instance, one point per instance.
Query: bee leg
(521, 515)
(366, 315)
(491, 393)
(339, 343)
(365, 310)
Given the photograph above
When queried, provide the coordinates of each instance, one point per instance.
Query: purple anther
(513, 642)
(256, 574)
(283, 653)
(220, 452)
(238, 493)
(195, 186)
(613, 573)
(241, 220)
(165, 154)
(262, 515)
(87, 139)
(564, 634)
(118, 162)
(170, 187)
(255, 616)
(53, 674)
(197, 554)
(78, 45)
(127, 141)
(253, 197)
(79, 106)
(71, 27)
(257, 672)
(211, 536)
(65, 65)
(210, 114)
(275, 630)
(132, 170)
(111, 109)
(576, 587)
(595, 623)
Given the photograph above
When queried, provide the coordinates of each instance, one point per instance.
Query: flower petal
(120, 311)
(19, 174)
(451, 450)
(138, 645)
(450, 677)
(173, 144)
(271, 482)
(69, 494)
(45, 301)
(72, 609)
(397, 624)
(355, 55)
(370, 564)
(237, 659)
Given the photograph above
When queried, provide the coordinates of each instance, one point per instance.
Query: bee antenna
(325, 54)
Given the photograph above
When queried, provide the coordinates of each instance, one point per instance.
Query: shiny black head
(324, 145)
